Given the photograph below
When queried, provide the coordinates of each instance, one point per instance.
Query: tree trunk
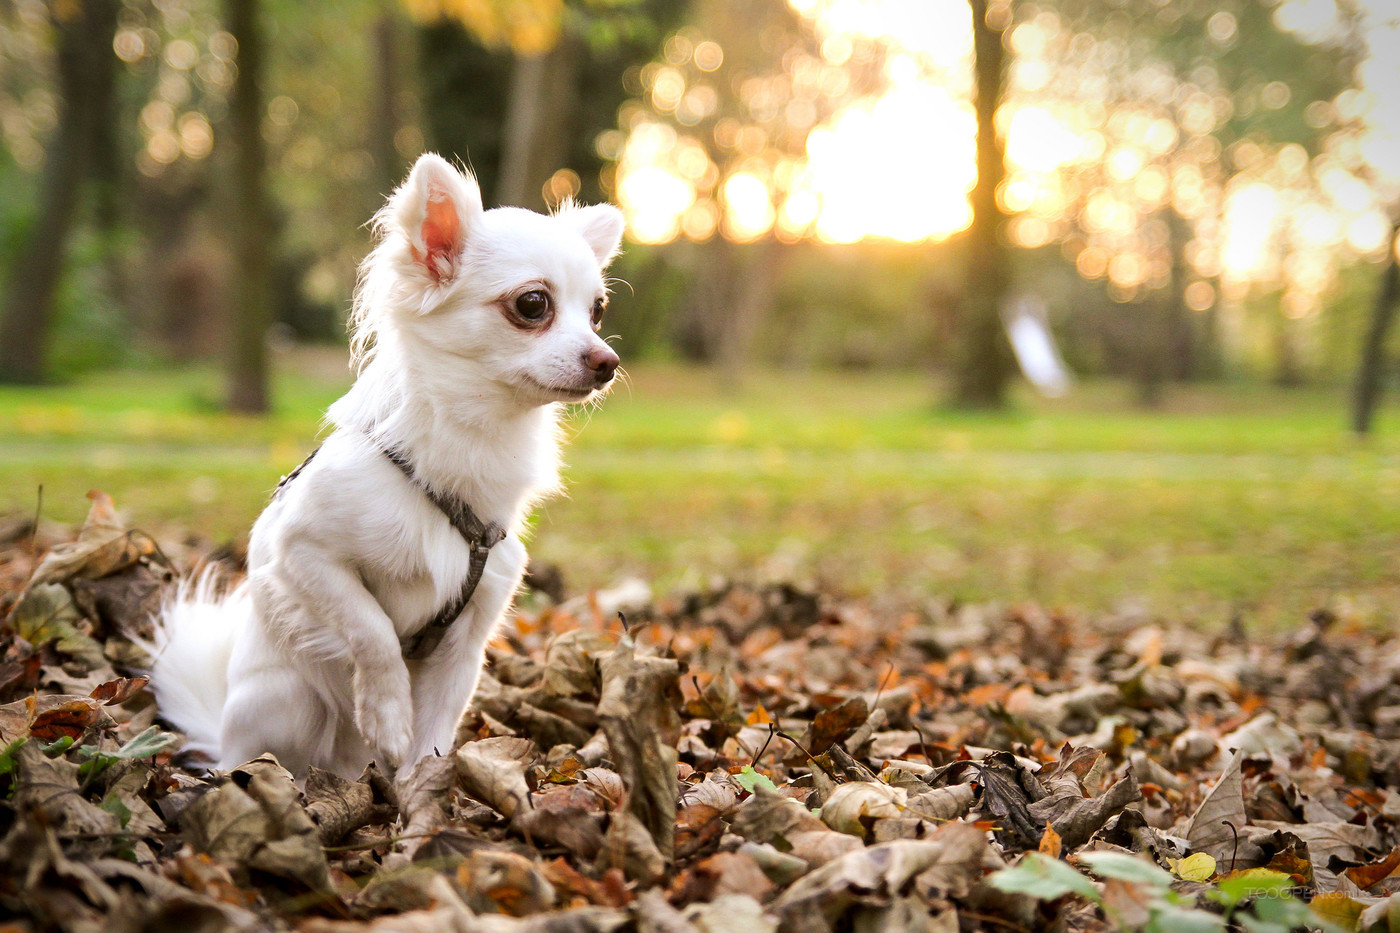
(252, 303)
(750, 302)
(389, 60)
(1369, 376)
(539, 111)
(982, 361)
(86, 66)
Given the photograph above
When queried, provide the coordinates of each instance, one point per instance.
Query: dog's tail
(194, 637)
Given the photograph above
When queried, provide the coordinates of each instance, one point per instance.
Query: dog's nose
(602, 361)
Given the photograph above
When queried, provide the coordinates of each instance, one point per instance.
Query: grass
(1242, 500)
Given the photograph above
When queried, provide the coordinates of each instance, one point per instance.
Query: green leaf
(1253, 882)
(1170, 919)
(113, 804)
(7, 757)
(1044, 879)
(98, 761)
(148, 743)
(46, 613)
(749, 779)
(1126, 868)
(58, 746)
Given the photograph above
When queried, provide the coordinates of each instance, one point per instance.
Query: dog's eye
(599, 306)
(532, 305)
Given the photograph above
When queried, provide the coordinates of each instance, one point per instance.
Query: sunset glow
(899, 165)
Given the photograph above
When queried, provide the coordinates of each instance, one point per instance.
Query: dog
(384, 564)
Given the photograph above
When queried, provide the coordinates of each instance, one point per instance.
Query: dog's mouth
(559, 393)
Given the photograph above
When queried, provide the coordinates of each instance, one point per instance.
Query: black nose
(603, 363)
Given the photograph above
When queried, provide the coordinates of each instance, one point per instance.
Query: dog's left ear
(436, 209)
(601, 227)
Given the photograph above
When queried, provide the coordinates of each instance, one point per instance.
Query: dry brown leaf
(852, 808)
(263, 827)
(46, 613)
(1368, 876)
(339, 807)
(943, 803)
(493, 771)
(69, 716)
(497, 881)
(953, 857)
(1078, 818)
(767, 816)
(639, 711)
(117, 692)
(834, 725)
(104, 546)
(698, 826)
(1208, 831)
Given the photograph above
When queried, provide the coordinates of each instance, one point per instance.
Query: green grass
(1231, 500)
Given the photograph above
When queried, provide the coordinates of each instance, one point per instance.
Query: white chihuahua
(384, 563)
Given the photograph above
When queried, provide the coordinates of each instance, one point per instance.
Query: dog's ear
(601, 227)
(437, 208)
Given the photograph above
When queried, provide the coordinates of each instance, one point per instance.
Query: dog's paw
(385, 719)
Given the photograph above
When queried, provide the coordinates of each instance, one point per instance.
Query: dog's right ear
(436, 209)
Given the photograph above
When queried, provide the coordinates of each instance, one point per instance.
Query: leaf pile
(746, 759)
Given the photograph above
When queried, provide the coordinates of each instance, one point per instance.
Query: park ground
(1231, 501)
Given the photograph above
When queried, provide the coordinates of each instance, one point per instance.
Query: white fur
(303, 660)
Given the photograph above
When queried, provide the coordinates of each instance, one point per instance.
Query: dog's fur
(303, 659)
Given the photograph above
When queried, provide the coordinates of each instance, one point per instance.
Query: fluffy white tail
(194, 637)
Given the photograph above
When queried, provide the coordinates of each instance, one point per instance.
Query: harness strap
(480, 538)
(295, 473)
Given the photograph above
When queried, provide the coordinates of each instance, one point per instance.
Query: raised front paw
(385, 719)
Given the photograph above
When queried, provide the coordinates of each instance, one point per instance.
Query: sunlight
(899, 167)
(1098, 180)
(1251, 215)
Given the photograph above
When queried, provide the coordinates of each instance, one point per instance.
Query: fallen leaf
(117, 692)
(1208, 831)
(1368, 876)
(493, 771)
(71, 717)
(497, 881)
(833, 725)
(1340, 910)
(639, 711)
(104, 546)
(45, 613)
(698, 826)
(1197, 867)
(852, 808)
(952, 859)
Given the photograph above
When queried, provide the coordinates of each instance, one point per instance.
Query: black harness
(479, 536)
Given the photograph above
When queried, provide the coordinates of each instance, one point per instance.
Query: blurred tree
(1171, 112)
(86, 72)
(713, 148)
(1369, 375)
(252, 233)
(520, 90)
(981, 361)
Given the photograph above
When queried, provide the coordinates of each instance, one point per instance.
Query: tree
(1369, 374)
(251, 230)
(522, 90)
(1191, 104)
(86, 71)
(982, 362)
(713, 149)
